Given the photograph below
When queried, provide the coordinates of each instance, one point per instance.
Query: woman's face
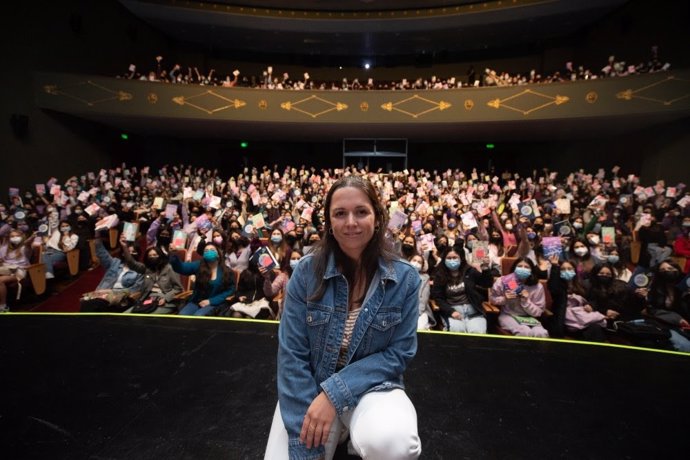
(567, 266)
(605, 271)
(352, 220)
(452, 255)
(523, 264)
(579, 244)
(276, 233)
(408, 240)
(295, 255)
(417, 259)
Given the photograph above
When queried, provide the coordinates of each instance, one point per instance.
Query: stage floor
(144, 387)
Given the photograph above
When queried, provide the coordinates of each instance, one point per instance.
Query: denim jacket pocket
(381, 329)
(317, 318)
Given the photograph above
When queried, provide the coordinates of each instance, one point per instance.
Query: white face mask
(16, 240)
(417, 266)
(594, 239)
(580, 251)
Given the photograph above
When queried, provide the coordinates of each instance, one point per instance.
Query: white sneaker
(49, 276)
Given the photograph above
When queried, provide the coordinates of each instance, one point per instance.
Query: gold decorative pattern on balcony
(667, 91)
(88, 93)
(378, 14)
(533, 101)
(314, 106)
(416, 106)
(207, 102)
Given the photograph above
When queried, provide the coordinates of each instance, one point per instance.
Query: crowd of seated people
(590, 256)
(489, 77)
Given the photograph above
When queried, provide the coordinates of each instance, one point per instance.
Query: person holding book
(347, 333)
(582, 257)
(61, 241)
(214, 281)
(521, 299)
(456, 292)
(279, 247)
(573, 312)
(275, 281)
(669, 304)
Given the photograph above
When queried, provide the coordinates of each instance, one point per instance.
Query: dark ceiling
(367, 28)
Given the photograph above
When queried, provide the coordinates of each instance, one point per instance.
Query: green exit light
(124, 136)
(244, 144)
(490, 146)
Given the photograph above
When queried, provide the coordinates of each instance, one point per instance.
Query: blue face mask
(567, 275)
(293, 263)
(210, 255)
(613, 259)
(452, 264)
(522, 273)
(276, 238)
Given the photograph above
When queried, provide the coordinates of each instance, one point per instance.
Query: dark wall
(79, 36)
(102, 37)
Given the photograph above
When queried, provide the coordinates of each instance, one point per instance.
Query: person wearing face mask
(582, 257)
(573, 312)
(668, 305)
(312, 241)
(655, 248)
(455, 292)
(408, 249)
(452, 232)
(14, 259)
(681, 245)
(594, 243)
(61, 241)
(506, 230)
(238, 252)
(275, 281)
(215, 282)
(521, 299)
(279, 247)
(426, 319)
(160, 283)
(620, 271)
(612, 297)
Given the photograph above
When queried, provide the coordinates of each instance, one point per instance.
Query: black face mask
(152, 262)
(670, 276)
(496, 240)
(290, 239)
(164, 240)
(407, 248)
(605, 280)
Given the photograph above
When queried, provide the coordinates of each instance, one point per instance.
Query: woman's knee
(388, 442)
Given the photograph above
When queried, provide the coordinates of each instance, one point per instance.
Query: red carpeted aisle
(67, 300)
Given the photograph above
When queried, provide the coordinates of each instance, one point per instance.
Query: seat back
(507, 264)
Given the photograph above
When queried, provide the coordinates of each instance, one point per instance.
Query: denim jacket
(112, 266)
(384, 340)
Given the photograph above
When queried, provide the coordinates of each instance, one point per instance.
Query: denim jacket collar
(386, 270)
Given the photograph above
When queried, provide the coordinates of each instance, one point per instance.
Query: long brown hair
(378, 247)
(203, 277)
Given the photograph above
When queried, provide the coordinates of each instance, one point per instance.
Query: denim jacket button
(346, 408)
(383, 323)
(309, 319)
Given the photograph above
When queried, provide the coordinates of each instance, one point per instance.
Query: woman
(426, 316)
(667, 304)
(238, 252)
(60, 242)
(160, 285)
(613, 297)
(279, 248)
(620, 271)
(277, 285)
(582, 258)
(334, 371)
(14, 260)
(521, 299)
(214, 281)
(572, 310)
(455, 291)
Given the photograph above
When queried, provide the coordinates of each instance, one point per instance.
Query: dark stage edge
(76, 386)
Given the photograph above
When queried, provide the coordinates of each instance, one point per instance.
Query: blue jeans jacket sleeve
(297, 387)
(345, 388)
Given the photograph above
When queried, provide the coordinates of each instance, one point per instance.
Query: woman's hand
(588, 308)
(317, 422)
(510, 294)
(456, 315)
(205, 303)
(612, 314)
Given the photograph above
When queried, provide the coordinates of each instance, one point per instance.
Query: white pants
(382, 426)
